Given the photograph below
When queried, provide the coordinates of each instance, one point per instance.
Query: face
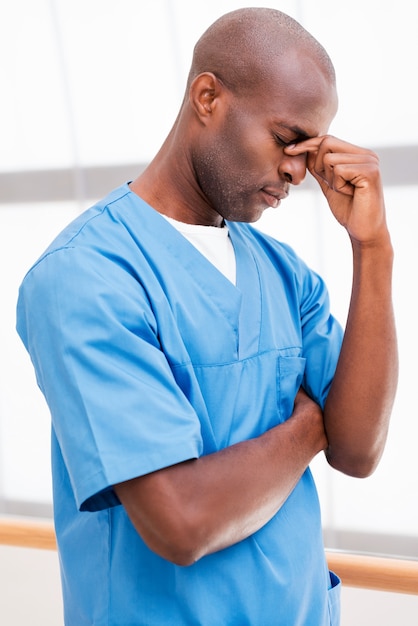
(239, 162)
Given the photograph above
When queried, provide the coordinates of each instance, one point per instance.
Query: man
(191, 364)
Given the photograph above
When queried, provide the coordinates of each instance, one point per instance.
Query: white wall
(30, 588)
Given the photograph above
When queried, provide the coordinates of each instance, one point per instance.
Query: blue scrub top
(148, 356)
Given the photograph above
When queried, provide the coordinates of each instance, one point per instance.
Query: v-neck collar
(240, 303)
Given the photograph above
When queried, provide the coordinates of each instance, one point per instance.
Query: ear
(205, 94)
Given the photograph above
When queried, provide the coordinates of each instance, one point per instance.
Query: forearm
(198, 507)
(357, 411)
(359, 404)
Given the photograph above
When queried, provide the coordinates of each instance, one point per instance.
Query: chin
(247, 216)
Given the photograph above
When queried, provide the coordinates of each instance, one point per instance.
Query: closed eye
(282, 142)
(299, 137)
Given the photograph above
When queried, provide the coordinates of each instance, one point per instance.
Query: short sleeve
(116, 408)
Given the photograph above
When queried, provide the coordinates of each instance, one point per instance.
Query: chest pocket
(245, 398)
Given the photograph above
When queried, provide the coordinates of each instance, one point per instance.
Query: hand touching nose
(349, 177)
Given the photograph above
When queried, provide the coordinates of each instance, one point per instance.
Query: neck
(169, 185)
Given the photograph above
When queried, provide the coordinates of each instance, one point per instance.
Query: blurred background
(89, 90)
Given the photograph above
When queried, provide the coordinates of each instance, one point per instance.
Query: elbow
(358, 457)
(179, 553)
(176, 529)
(354, 465)
(180, 542)
(181, 549)
(183, 557)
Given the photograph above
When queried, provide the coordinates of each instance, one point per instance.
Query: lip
(274, 196)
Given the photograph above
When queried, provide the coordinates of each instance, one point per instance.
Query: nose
(293, 168)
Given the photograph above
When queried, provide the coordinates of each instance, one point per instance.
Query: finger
(309, 145)
(325, 143)
(324, 166)
(345, 178)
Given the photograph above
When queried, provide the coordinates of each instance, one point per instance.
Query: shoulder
(90, 234)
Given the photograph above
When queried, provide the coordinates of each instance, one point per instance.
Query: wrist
(380, 244)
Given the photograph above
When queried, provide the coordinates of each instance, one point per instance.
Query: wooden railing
(375, 572)
(27, 534)
(355, 570)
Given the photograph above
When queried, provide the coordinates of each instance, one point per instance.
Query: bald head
(258, 82)
(245, 46)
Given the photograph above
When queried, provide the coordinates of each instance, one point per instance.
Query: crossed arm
(200, 506)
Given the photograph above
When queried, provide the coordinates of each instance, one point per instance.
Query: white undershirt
(214, 243)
